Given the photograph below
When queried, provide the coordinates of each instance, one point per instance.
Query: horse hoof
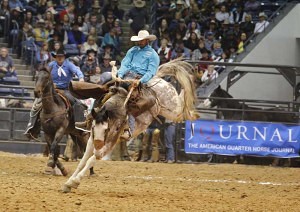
(75, 184)
(49, 171)
(64, 172)
(66, 189)
(93, 175)
(51, 163)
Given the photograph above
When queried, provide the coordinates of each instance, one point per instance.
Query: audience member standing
(113, 6)
(138, 16)
(247, 26)
(262, 24)
(169, 138)
(41, 34)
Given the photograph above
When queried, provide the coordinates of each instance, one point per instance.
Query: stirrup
(84, 126)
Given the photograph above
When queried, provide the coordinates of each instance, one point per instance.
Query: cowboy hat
(262, 14)
(179, 2)
(142, 35)
(17, 9)
(91, 51)
(41, 21)
(59, 52)
(96, 5)
(106, 57)
(139, 3)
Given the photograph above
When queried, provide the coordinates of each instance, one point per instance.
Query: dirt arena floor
(137, 186)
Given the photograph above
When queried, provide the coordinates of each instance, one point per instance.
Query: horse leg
(99, 153)
(87, 154)
(81, 140)
(49, 140)
(55, 150)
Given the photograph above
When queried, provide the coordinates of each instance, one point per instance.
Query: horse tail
(182, 71)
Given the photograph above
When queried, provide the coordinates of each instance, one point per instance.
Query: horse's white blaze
(207, 103)
(99, 134)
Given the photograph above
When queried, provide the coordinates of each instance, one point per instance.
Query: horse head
(112, 116)
(218, 92)
(42, 80)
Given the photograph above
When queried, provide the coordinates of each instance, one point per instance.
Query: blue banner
(242, 138)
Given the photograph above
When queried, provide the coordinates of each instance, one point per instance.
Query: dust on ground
(139, 186)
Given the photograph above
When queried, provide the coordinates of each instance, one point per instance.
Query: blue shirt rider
(62, 71)
(141, 62)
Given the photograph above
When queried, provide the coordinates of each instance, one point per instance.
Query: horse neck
(49, 98)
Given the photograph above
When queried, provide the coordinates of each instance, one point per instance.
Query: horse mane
(55, 95)
(227, 95)
(182, 71)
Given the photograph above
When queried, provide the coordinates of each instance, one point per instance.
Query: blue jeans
(169, 141)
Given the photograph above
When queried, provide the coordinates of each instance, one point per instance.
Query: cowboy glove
(130, 21)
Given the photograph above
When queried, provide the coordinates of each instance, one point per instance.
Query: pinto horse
(111, 119)
(57, 118)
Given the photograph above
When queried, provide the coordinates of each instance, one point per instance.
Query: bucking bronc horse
(57, 118)
(111, 117)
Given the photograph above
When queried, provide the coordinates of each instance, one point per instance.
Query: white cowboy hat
(262, 14)
(179, 2)
(139, 3)
(142, 35)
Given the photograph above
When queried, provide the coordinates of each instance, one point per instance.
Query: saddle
(141, 100)
(64, 98)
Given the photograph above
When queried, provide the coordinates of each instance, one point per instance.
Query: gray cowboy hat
(139, 3)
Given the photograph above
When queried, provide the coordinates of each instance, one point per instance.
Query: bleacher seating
(9, 81)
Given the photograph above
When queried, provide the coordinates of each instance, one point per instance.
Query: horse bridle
(48, 81)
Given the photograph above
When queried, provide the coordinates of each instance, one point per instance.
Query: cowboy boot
(34, 125)
(155, 149)
(116, 153)
(145, 154)
(124, 151)
(33, 128)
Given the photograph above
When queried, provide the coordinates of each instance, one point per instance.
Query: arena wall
(280, 46)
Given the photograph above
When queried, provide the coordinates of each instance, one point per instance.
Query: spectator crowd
(206, 30)
(194, 29)
(90, 31)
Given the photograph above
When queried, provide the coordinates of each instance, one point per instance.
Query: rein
(57, 113)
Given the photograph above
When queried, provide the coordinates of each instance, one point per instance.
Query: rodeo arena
(156, 105)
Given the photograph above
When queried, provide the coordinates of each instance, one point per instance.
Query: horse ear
(219, 87)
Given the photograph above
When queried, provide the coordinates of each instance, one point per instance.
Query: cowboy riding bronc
(140, 65)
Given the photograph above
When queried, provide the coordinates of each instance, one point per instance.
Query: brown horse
(57, 118)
